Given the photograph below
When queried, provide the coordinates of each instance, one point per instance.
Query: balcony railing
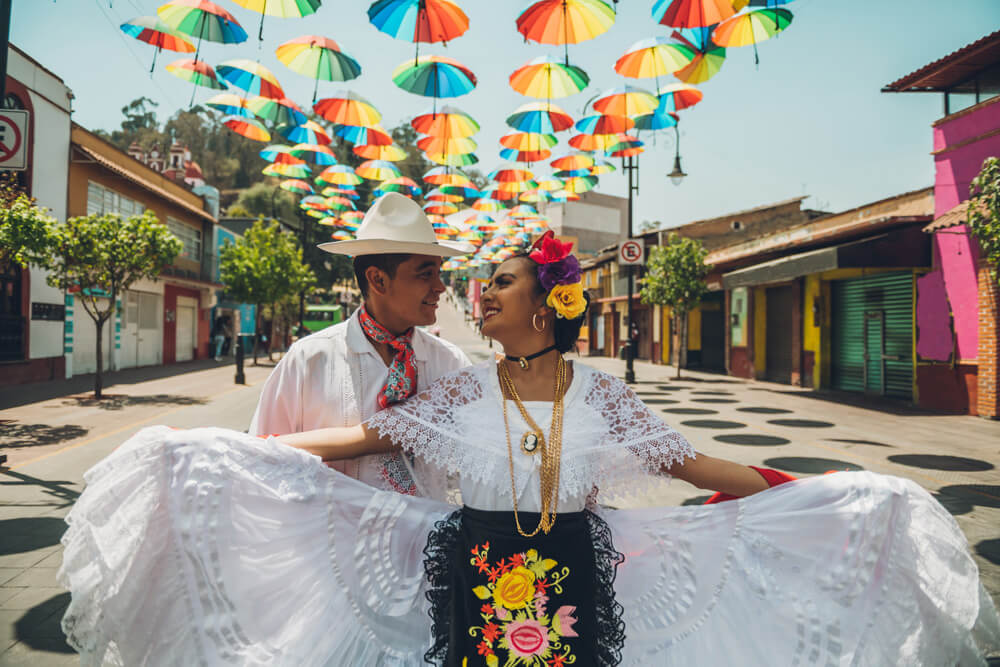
(207, 273)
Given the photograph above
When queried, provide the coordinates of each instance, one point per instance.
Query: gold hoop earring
(535, 325)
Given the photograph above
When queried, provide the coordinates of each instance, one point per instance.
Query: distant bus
(319, 317)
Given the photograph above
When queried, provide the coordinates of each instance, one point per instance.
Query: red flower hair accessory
(549, 249)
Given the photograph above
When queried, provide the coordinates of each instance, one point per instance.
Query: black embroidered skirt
(498, 598)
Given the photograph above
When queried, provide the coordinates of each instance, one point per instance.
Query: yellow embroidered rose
(515, 588)
(567, 300)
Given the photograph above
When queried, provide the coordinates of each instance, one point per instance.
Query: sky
(810, 120)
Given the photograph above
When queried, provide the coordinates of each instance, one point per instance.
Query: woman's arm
(706, 472)
(331, 444)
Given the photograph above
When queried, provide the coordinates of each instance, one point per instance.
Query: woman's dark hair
(566, 332)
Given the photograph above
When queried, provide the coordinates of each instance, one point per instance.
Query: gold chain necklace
(551, 450)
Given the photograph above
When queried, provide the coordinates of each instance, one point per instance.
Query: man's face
(411, 297)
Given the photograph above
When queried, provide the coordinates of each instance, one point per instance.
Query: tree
(264, 268)
(984, 213)
(24, 227)
(100, 256)
(675, 277)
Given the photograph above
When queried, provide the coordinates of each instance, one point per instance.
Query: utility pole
(630, 165)
(5, 7)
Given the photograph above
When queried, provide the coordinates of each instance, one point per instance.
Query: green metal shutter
(873, 314)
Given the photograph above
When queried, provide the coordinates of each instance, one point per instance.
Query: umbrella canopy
(677, 96)
(438, 196)
(593, 142)
(522, 211)
(602, 167)
(546, 78)
(487, 205)
(446, 176)
(691, 13)
(247, 127)
(251, 77)
(202, 19)
(378, 170)
(279, 154)
(550, 184)
(528, 141)
(296, 186)
(287, 170)
(340, 191)
(604, 124)
(319, 58)
(401, 184)
(446, 145)
(281, 9)
(309, 132)
(756, 25)
(230, 105)
(540, 117)
(313, 201)
(425, 21)
(434, 76)
(510, 188)
(565, 21)
(573, 161)
(448, 121)
(279, 111)
(626, 101)
(571, 173)
(510, 175)
(339, 174)
(581, 184)
(196, 72)
(514, 155)
(367, 136)
(653, 58)
(392, 153)
(153, 31)
(465, 191)
(348, 108)
(452, 159)
(708, 58)
(321, 155)
(440, 208)
(627, 147)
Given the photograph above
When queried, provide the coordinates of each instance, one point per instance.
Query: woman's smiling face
(511, 299)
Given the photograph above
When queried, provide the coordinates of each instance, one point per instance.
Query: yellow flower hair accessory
(567, 300)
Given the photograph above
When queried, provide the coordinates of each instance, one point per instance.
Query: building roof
(951, 218)
(954, 68)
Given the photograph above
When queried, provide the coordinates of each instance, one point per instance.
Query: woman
(210, 547)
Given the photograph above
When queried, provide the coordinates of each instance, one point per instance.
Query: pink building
(956, 310)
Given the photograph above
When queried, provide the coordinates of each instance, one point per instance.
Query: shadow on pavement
(23, 535)
(990, 550)
(41, 626)
(877, 404)
(121, 401)
(60, 491)
(16, 436)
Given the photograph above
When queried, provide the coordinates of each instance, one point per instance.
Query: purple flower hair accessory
(564, 272)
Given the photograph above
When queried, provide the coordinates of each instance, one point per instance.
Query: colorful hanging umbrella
(514, 155)
(691, 13)
(153, 31)
(528, 141)
(309, 132)
(392, 153)
(581, 184)
(418, 21)
(198, 73)
(593, 142)
(313, 201)
(446, 176)
(287, 170)
(678, 96)
(510, 175)
(522, 211)
(340, 191)
(440, 208)
(656, 121)
(756, 25)
(353, 217)
(321, 155)
(280, 112)
(296, 186)
(280, 154)
(627, 147)
(601, 167)
(202, 19)
(448, 121)
(247, 127)
(550, 184)
(573, 161)
(565, 21)
(401, 184)
(546, 78)
(446, 145)
(534, 196)
(653, 58)
(281, 9)
(319, 58)
(452, 159)
(487, 205)
(434, 76)
(348, 108)
(604, 124)
(365, 136)
(465, 191)
(252, 77)
(339, 174)
(626, 101)
(230, 105)
(511, 187)
(708, 57)
(540, 117)
(437, 195)
(378, 170)
(563, 174)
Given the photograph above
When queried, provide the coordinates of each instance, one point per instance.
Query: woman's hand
(714, 474)
(332, 444)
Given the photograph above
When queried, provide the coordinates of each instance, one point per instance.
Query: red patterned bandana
(402, 380)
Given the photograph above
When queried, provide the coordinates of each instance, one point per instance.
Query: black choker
(524, 360)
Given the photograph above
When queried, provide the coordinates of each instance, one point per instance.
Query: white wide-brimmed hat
(396, 224)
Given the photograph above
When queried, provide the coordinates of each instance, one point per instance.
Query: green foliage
(269, 201)
(265, 266)
(675, 274)
(984, 213)
(237, 211)
(24, 227)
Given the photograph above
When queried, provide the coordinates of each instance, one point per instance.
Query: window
(189, 236)
(101, 200)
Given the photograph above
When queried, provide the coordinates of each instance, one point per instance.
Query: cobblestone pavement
(52, 437)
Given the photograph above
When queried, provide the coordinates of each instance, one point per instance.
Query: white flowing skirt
(211, 547)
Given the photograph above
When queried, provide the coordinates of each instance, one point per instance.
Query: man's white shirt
(333, 378)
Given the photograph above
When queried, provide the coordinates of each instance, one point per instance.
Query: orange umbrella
(348, 108)
(247, 127)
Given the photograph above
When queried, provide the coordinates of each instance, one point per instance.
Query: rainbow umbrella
(565, 21)
(281, 9)
(287, 170)
(479, 220)
(494, 192)
(528, 141)
(627, 147)
(511, 188)
(202, 19)
(344, 203)
(340, 191)
(546, 78)
(279, 154)
(550, 185)
(510, 175)
(440, 208)
(602, 167)
(540, 117)
(313, 201)
(534, 196)
(279, 111)
(247, 127)
(353, 217)
(751, 27)
(514, 155)
(230, 105)
(309, 132)
(348, 108)
(465, 191)
(691, 13)
(319, 58)
(296, 186)
(651, 58)
(592, 142)
(434, 76)
(418, 21)
(581, 184)
(378, 170)
(437, 195)
(153, 31)
(604, 124)
(657, 120)
(329, 221)
(339, 174)
(365, 136)
(198, 73)
(522, 211)
(449, 121)
(677, 96)
(401, 184)
(321, 155)
(446, 145)
(452, 159)
(571, 173)
(252, 77)
(708, 55)
(342, 235)
(626, 101)
(446, 176)
(572, 161)
(392, 152)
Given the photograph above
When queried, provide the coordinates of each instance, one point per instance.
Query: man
(344, 374)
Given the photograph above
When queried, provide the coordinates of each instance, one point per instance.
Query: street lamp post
(677, 175)
(630, 165)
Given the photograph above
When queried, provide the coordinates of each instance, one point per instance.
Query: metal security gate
(778, 342)
(872, 335)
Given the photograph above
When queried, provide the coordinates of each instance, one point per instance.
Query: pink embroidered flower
(563, 621)
(540, 600)
(527, 638)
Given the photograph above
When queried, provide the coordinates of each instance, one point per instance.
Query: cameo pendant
(530, 442)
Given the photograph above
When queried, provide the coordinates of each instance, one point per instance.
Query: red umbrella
(692, 13)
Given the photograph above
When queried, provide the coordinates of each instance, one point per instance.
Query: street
(51, 442)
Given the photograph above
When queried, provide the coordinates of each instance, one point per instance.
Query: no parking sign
(631, 252)
(13, 139)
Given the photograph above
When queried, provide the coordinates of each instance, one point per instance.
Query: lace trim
(609, 612)
(442, 553)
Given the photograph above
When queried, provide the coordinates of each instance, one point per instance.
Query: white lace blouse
(454, 432)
